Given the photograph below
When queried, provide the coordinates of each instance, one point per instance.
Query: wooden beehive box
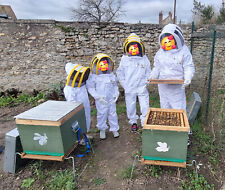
(46, 130)
(164, 137)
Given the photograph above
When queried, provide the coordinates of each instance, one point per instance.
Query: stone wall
(33, 52)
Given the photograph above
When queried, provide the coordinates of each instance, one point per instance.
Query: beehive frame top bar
(49, 113)
(185, 127)
(166, 81)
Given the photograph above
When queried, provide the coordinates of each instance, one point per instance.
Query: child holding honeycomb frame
(173, 61)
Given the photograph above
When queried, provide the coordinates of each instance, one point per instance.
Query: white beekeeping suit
(102, 85)
(75, 89)
(133, 74)
(175, 63)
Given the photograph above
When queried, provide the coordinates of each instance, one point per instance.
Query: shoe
(102, 134)
(134, 127)
(115, 134)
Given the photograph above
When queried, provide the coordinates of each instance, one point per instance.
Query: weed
(55, 91)
(98, 181)
(126, 173)
(195, 182)
(138, 153)
(121, 108)
(27, 183)
(65, 29)
(37, 169)
(154, 101)
(62, 180)
(221, 91)
(206, 142)
(94, 112)
(22, 98)
(156, 171)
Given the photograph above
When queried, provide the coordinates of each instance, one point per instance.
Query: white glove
(186, 83)
(102, 101)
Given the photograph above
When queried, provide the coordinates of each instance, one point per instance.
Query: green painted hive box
(48, 131)
(164, 137)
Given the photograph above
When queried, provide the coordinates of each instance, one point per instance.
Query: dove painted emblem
(162, 147)
(42, 140)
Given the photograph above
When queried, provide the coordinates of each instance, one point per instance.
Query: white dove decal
(162, 147)
(42, 140)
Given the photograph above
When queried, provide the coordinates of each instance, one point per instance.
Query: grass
(62, 180)
(11, 101)
(27, 183)
(155, 171)
(126, 173)
(195, 182)
(37, 169)
(154, 100)
(98, 181)
(50, 179)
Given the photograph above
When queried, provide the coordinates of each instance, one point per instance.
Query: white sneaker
(102, 134)
(115, 134)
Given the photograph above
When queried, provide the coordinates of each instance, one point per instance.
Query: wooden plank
(186, 123)
(166, 81)
(72, 149)
(163, 163)
(166, 110)
(49, 123)
(146, 117)
(68, 116)
(42, 157)
(37, 122)
(182, 119)
(166, 128)
(46, 157)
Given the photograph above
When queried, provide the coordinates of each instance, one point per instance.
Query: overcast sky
(146, 11)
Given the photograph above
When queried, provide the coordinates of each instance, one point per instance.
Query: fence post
(192, 40)
(210, 74)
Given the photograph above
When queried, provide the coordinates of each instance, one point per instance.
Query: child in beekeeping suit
(133, 74)
(102, 85)
(173, 61)
(75, 89)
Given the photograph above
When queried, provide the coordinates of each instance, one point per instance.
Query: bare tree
(98, 10)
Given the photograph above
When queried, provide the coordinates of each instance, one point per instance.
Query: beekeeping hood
(95, 63)
(177, 34)
(131, 40)
(76, 74)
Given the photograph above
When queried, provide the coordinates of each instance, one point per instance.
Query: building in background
(167, 20)
(6, 12)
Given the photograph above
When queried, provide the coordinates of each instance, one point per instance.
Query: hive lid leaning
(49, 113)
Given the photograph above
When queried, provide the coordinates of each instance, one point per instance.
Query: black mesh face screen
(181, 37)
(179, 30)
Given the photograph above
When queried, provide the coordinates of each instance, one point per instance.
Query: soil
(110, 158)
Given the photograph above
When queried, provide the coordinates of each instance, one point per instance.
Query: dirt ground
(110, 158)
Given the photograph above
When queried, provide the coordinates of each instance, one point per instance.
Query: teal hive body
(165, 145)
(47, 128)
